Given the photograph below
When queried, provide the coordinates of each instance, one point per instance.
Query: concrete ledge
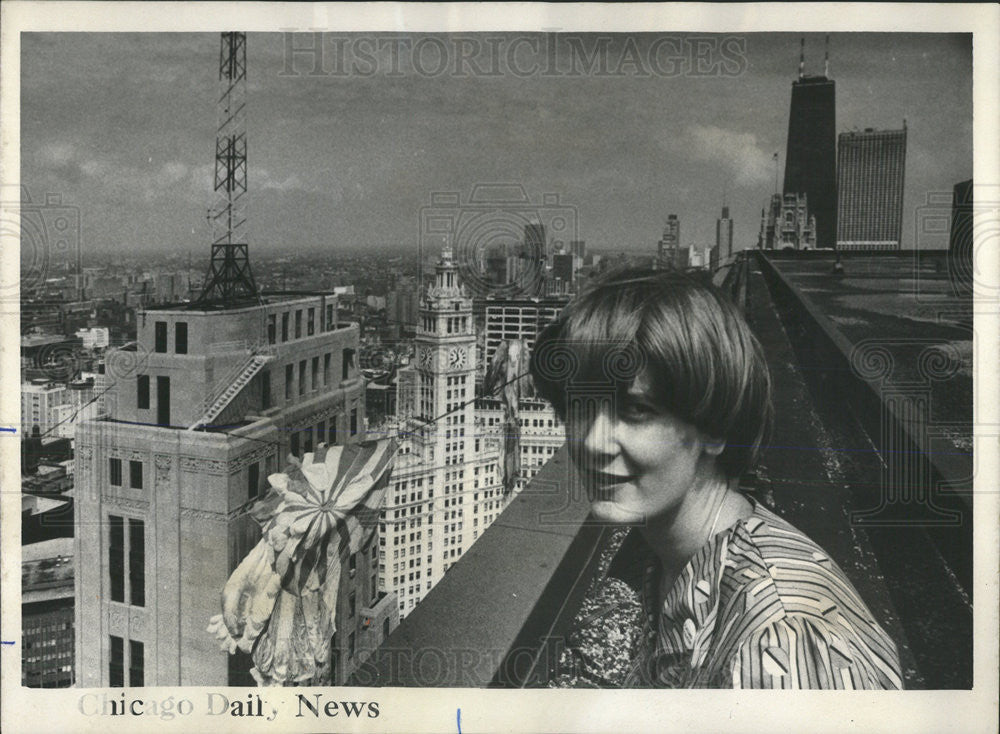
(499, 615)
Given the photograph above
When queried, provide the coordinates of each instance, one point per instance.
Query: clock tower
(445, 488)
(446, 350)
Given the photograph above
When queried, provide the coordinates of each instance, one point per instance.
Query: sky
(348, 144)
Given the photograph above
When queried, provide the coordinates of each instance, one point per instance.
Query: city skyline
(351, 159)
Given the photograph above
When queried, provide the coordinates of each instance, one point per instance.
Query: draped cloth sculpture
(508, 372)
(280, 603)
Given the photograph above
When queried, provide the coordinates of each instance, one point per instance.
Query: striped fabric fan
(280, 603)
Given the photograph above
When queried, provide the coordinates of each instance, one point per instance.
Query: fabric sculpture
(508, 372)
(280, 603)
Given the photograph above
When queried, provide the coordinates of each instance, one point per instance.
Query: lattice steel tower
(229, 279)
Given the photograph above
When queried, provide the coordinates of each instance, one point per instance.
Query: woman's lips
(603, 485)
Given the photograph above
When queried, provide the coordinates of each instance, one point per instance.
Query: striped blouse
(759, 606)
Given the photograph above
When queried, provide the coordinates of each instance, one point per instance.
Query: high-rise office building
(724, 234)
(210, 401)
(871, 167)
(47, 633)
(512, 319)
(960, 235)
(669, 244)
(811, 158)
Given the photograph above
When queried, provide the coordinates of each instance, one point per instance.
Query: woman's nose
(598, 438)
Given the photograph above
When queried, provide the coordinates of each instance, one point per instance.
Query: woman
(666, 399)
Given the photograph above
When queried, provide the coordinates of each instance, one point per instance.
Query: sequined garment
(759, 606)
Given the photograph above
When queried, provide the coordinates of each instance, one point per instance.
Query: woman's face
(637, 461)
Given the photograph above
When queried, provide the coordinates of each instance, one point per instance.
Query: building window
(135, 474)
(347, 363)
(298, 324)
(315, 373)
(352, 604)
(311, 322)
(289, 378)
(181, 337)
(302, 377)
(352, 564)
(137, 562)
(272, 328)
(329, 316)
(284, 326)
(116, 663)
(294, 447)
(265, 389)
(326, 368)
(163, 401)
(354, 421)
(351, 647)
(116, 556)
(320, 432)
(333, 430)
(308, 442)
(385, 628)
(253, 480)
(115, 472)
(142, 392)
(136, 664)
(160, 336)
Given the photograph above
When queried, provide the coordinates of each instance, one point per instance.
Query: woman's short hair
(702, 362)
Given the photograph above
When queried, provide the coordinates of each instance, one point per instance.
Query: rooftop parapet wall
(540, 557)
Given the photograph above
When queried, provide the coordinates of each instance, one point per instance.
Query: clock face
(425, 357)
(456, 358)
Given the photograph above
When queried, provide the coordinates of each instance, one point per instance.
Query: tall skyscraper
(445, 488)
(811, 159)
(210, 401)
(511, 319)
(724, 234)
(669, 244)
(871, 167)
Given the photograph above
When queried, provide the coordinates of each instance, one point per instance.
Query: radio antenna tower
(229, 279)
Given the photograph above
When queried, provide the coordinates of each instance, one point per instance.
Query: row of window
(128, 571)
(180, 337)
(135, 473)
(117, 663)
(142, 385)
(309, 374)
(286, 319)
(302, 440)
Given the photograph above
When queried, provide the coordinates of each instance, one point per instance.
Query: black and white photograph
(441, 363)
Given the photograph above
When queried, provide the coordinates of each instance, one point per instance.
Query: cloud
(262, 179)
(56, 154)
(738, 151)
